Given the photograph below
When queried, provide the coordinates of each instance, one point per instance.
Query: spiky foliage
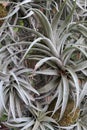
(43, 65)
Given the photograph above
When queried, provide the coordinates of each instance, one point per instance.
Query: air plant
(56, 44)
(38, 120)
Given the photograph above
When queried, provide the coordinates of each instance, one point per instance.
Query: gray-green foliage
(56, 43)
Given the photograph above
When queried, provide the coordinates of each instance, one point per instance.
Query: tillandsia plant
(43, 65)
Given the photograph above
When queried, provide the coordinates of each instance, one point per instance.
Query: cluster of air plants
(43, 65)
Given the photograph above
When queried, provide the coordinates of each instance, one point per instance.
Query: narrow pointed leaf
(76, 81)
(12, 105)
(45, 23)
(28, 125)
(33, 43)
(42, 127)
(2, 97)
(42, 61)
(65, 95)
(57, 17)
(18, 107)
(81, 66)
(59, 98)
(25, 2)
(83, 93)
(78, 127)
(47, 72)
(48, 87)
(36, 126)
(48, 126)
(28, 15)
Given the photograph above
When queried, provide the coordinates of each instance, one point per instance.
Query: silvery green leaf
(42, 127)
(47, 41)
(35, 107)
(15, 77)
(36, 125)
(33, 43)
(59, 97)
(67, 20)
(76, 81)
(21, 94)
(83, 92)
(81, 4)
(49, 126)
(83, 120)
(12, 104)
(47, 72)
(29, 124)
(81, 50)
(84, 72)
(12, 125)
(69, 4)
(18, 107)
(28, 96)
(51, 46)
(3, 76)
(28, 29)
(23, 82)
(19, 120)
(84, 127)
(57, 17)
(11, 49)
(28, 15)
(71, 127)
(11, 30)
(82, 29)
(49, 119)
(48, 87)
(25, 2)
(53, 59)
(62, 42)
(2, 100)
(27, 85)
(78, 126)
(81, 43)
(42, 47)
(81, 66)
(67, 51)
(45, 24)
(65, 95)
(23, 70)
(41, 51)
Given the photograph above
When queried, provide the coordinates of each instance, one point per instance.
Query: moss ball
(3, 13)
